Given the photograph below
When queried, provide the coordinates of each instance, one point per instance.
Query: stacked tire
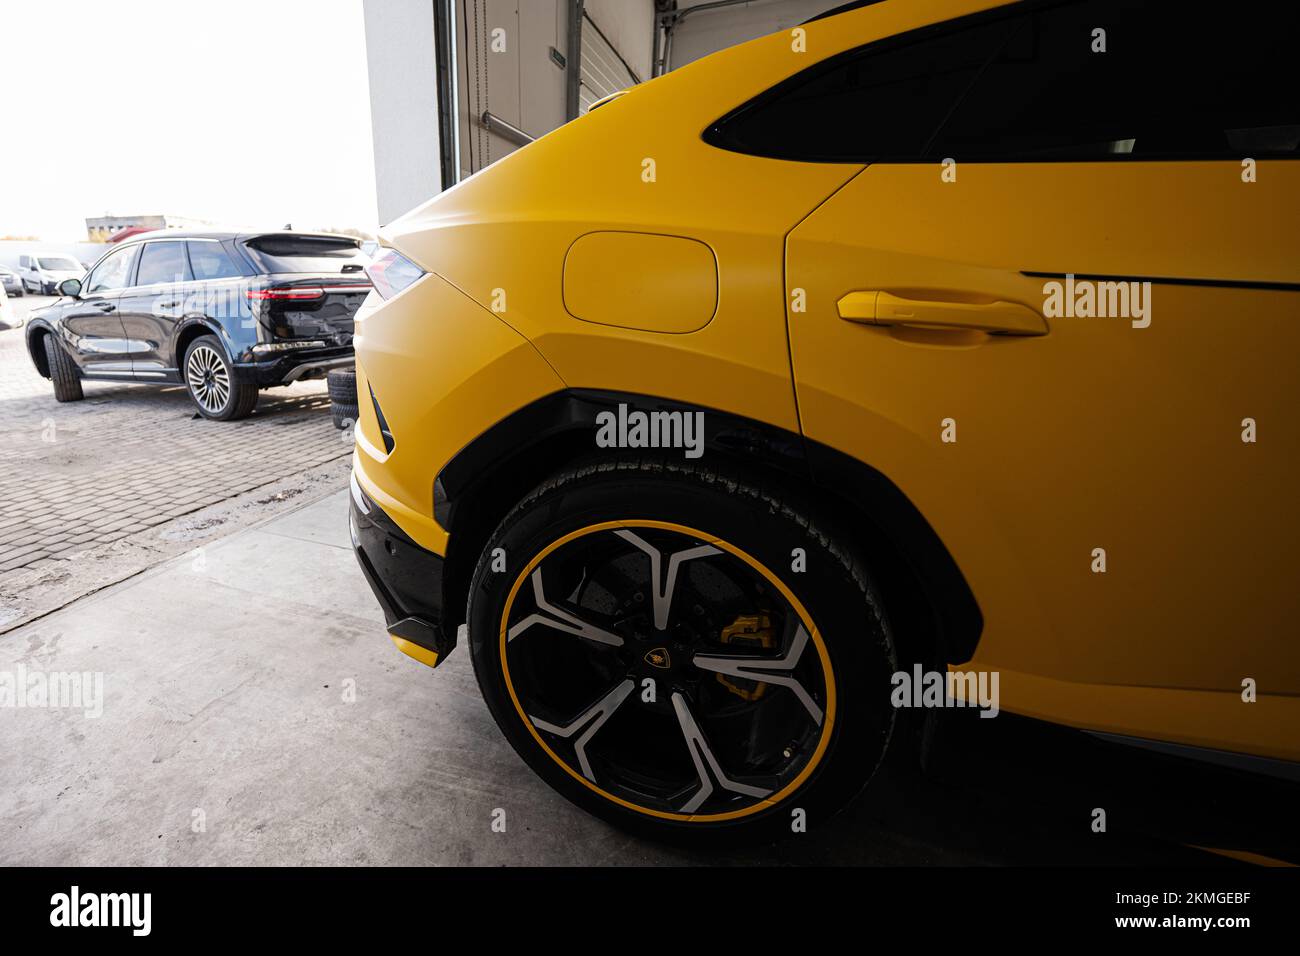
(343, 396)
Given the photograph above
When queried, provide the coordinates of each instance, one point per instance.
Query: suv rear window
(276, 254)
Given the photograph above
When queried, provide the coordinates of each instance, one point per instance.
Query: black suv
(224, 314)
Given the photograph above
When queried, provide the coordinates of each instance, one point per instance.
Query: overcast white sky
(247, 112)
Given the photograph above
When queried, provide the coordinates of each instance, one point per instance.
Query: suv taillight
(298, 294)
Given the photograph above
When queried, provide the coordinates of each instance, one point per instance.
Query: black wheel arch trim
(37, 327)
(564, 424)
(210, 327)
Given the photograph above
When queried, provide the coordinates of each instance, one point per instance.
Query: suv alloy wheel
(211, 382)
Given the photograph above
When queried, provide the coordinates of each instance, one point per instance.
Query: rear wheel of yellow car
(682, 651)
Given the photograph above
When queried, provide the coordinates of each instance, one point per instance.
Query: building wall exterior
(504, 64)
(104, 228)
(402, 68)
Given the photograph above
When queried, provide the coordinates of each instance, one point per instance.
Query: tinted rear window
(1078, 81)
(879, 103)
(274, 254)
(1134, 79)
(210, 261)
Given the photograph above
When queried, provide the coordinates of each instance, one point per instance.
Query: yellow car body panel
(1095, 435)
(501, 236)
(1098, 434)
(446, 365)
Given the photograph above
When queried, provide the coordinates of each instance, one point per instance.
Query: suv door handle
(885, 308)
(105, 306)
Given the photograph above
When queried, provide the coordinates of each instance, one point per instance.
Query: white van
(42, 272)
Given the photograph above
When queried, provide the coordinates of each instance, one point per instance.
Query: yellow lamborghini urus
(944, 338)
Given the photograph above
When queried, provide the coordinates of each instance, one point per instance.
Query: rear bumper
(406, 579)
(293, 365)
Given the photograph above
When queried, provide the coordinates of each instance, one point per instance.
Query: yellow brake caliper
(748, 630)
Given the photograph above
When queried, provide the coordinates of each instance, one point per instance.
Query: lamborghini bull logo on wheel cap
(658, 657)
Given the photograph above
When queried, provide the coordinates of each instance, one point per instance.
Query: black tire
(342, 384)
(344, 404)
(645, 769)
(343, 415)
(63, 371)
(212, 383)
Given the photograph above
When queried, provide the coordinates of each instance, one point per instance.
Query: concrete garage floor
(225, 675)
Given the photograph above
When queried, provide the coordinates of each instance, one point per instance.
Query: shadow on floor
(1014, 791)
(271, 403)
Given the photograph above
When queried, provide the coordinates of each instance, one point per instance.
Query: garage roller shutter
(603, 70)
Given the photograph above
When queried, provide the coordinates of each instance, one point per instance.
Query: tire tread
(63, 371)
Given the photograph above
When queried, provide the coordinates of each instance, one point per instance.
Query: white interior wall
(523, 84)
(489, 79)
(541, 81)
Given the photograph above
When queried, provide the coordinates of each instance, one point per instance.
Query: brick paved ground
(78, 475)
